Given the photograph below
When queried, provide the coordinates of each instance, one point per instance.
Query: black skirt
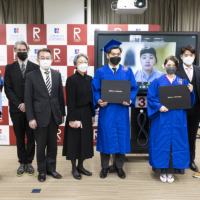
(78, 143)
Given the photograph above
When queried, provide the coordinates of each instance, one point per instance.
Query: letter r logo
(56, 52)
(36, 30)
(76, 31)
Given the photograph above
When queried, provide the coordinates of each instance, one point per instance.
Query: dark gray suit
(47, 111)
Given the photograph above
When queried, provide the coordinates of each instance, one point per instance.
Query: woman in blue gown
(168, 146)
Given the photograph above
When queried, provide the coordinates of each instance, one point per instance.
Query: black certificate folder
(175, 97)
(115, 91)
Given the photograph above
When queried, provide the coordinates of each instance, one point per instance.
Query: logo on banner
(0, 131)
(56, 30)
(36, 37)
(57, 37)
(97, 29)
(138, 29)
(36, 50)
(16, 30)
(117, 29)
(56, 53)
(76, 35)
(77, 51)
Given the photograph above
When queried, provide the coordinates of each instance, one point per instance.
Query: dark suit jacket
(14, 84)
(181, 73)
(39, 105)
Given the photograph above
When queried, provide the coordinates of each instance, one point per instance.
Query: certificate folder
(113, 91)
(175, 97)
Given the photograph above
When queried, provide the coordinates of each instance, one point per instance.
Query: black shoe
(30, 169)
(21, 170)
(103, 173)
(121, 173)
(41, 177)
(54, 175)
(193, 167)
(76, 176)
(84, 171)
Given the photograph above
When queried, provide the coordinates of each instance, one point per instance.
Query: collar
(42, 70)
(117, 67)
(25, 62)
(80, 74)
(149, 74)
(171, 80)
(185, 67)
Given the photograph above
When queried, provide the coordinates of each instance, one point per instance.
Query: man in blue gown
(113, 134)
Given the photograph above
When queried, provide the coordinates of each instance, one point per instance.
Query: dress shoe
(41, 177)
(75, 175)
(54, 175)
(103, 173)
(84, 171)
(21, 170)
(121, 173)
(29, 169)
(193, 167)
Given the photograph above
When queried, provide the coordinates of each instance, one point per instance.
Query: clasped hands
(103, 104)
(77, 124)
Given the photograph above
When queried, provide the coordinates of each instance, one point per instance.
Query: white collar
(117, 67)
(43, 71)
(185, 66)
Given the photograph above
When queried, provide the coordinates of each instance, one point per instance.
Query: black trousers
(46, 139)
(193, 119)
(21, 127)
(119, 159)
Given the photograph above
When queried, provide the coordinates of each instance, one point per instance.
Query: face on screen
(147, 61)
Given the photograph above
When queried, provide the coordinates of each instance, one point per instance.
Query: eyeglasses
(43, 58)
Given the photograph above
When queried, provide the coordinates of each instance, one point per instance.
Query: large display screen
(145, 52)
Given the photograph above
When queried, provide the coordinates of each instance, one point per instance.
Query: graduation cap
(112, 43)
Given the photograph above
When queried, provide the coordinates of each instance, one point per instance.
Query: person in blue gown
(113, 133)
(168, 145)
(1, 88)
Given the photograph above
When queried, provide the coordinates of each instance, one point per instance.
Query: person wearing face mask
(45, 108)
(78, 138)
(192, 73)
(168, 144)
(113, 123)
(14, 83)
(147, 59)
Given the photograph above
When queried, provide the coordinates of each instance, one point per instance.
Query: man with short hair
(192, 74)
(45, 107)
(14, 83)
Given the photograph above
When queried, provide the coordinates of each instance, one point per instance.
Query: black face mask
(115, 60)
(22, 55)
(171, 70)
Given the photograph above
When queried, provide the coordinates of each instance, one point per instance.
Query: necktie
(114, 69)
(189, 74)
(23, 69)
(48, 83)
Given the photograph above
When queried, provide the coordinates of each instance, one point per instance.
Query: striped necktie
(48, 83)
(23, 69)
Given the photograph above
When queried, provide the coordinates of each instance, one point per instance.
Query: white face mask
(188, 60)
(83, 67)
(45, 64)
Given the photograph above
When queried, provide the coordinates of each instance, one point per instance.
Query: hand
(126, 104)
(190, 87)
(93, 120)
(63, 119)
(102, 104)
(33, 124)
(163, 109)
(22, 107)
(75, 124)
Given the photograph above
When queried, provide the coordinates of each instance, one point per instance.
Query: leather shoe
(103, 173)
(76, 176)
(54, 175)
(84, 171)
(41, 177)
(193, 167)
(121, 173)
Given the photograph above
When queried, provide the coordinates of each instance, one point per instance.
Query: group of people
(37, 108)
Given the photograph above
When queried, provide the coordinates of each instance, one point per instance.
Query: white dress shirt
(191, 70)
(25, 64)
(45, 76)
(117, 67)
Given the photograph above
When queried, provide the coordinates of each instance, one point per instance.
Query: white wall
(64, 11)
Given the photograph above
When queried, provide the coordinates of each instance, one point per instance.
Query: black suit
(47, 111)
(14, 88)
(193, 114)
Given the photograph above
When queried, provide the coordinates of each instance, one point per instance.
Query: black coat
(78, 143)
(14, 84)
(39, 104)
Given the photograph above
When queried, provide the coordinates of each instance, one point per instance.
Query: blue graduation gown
(168, 129)
(113, 133)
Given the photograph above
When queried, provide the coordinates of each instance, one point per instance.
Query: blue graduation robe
(113, 133)
(168, 129)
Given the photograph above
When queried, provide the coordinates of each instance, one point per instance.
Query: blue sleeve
(153, 104)
(96, 89)
(134, 89)
(1, 80)
(192, 95)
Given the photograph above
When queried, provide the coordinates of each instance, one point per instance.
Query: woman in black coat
(78, 137)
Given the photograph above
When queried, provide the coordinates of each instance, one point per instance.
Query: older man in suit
(45, 108)
(14, 84)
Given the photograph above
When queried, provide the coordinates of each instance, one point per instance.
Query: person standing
(113, 123)
(14, 83)
(192, 74)
(78, 138)
(45, 107)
